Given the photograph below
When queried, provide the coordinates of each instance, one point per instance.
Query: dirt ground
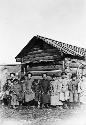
(34, 116)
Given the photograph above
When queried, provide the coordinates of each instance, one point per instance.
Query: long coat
(44, 86)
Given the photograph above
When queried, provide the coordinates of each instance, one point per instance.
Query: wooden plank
(49, 73)
(45, 51)
(34, 52)
(52, 50)
(52, 67)
(38, 58)
(29, 57)
(38, 54)
(42, 54)
(56, 61)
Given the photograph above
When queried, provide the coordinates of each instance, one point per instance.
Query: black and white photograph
(42, 62)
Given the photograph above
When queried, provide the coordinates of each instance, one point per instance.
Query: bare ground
(34, 116)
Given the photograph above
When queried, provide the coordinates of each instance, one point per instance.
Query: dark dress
(17, 94)
(7, 97)
(45, 91)
(36, 90)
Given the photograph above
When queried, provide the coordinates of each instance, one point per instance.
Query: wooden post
(78, 72)
(82, 72)
(63, 65)
(85, 55)
(24, 70)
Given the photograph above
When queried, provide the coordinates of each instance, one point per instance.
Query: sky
(20, 20)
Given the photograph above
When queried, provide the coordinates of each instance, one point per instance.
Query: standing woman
(6, 90)
(15, 93)
(35, 89)
(83, 91)
(23, 87)
(55, 92)
(44, 86)
(29, 94)
(80, 88)
(64, 93)
(21, 91)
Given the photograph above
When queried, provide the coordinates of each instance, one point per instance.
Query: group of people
(59, 91)
(66, 92)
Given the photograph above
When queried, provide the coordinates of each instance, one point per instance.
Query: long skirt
(37, 96)
(66, 94)
(73, 97)
(29, 96)
(62, 96)
(55, 100)
(45, 98)
(7, 100)
(83, 97)
(14, 100)
(76, 96)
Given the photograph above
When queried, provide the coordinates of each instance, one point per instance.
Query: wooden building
(44, 55)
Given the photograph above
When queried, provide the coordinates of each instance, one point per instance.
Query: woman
(16, 93)
(35, 89)
(44, 86)
(23, 87)
(29, 94)
(83, 91)
(64, 93)
(7, 90)
(55, 92)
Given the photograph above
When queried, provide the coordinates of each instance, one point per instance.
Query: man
(44, 86)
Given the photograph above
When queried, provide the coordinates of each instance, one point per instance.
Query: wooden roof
(66, 48)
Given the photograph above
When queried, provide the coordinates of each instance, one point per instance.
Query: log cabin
(44, 55)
